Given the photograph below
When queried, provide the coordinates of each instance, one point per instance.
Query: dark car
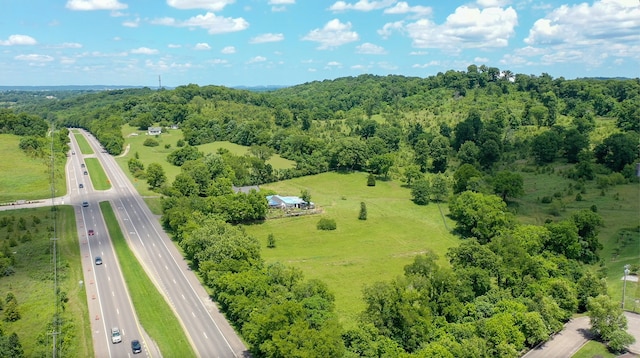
(135, 346)
(81, 186)
(98, 260)
(91, 232)
(82, 165)
(85, 204)
(85, 172)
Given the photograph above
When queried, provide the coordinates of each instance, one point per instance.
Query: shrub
(271, 241)
(167, 146)
(326, 224)
(546, 200)
(578, 197)
(150, 142)
(363, 211)
(371, 180)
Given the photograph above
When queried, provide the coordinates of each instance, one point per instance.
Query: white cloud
(280, 5)
(418, 53)
(174, 46)
(333, 34)
(391, 27)
(370, 49)
(333, 64)
(403, 7)
(425, 65)
(70, 45)
(228, 50)
(209, 21)
(361, 5)
(604, 22)
(18, 40)
(257, 59)
(480, 60)
(67, 60)
(34, 58)
(213, 5)
(163, 65)
(465, 28)
(267, 38)
(88, 5)
(493, 3)
(202, 46)
(144, 51)
(512, 60)
(529, 51)
(132, 23)
(218, 61)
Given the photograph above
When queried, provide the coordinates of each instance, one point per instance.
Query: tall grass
(32, 282)
(23, 177)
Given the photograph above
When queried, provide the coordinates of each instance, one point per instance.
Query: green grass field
(98, 176)
(358, 252)
(85, 148)
(135, 138)
(24, 177)
(154, 313)
(362, 252)
(32, 282)
(593, 349)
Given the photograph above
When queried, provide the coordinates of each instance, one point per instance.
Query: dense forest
(459, 137)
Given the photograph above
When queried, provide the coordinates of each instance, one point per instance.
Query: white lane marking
(193, 314)
(118, 312)
(184, 298)
(205, 334)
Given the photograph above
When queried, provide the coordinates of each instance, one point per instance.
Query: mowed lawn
(357, 253)
(24, 177)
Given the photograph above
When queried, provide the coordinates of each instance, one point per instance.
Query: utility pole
(624, 283)
(159, 83)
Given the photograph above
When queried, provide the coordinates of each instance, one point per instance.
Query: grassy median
(154, 313)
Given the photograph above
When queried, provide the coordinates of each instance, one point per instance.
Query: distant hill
(116, 87)
(65, 88)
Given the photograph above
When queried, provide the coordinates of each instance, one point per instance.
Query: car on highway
(91, 232)
(82, 165)
(81, 186)
(116, 337)
(74, 153)
(85, 204)
(136, 347)
(85, 172)
(98, 260)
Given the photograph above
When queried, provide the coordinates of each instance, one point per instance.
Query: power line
(55, 326)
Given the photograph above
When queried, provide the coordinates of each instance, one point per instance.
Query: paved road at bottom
(566, 343)
(576, 334)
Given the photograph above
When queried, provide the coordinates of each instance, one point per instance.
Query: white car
(116, 337)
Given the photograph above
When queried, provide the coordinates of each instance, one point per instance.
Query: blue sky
(288, 42)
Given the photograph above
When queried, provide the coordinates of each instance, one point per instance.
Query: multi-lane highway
(107, 296)
(207, 330)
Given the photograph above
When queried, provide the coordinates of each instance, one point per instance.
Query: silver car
(116, 337)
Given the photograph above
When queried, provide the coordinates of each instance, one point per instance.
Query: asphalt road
(576, 334)
(107, 295)
(208, 331)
